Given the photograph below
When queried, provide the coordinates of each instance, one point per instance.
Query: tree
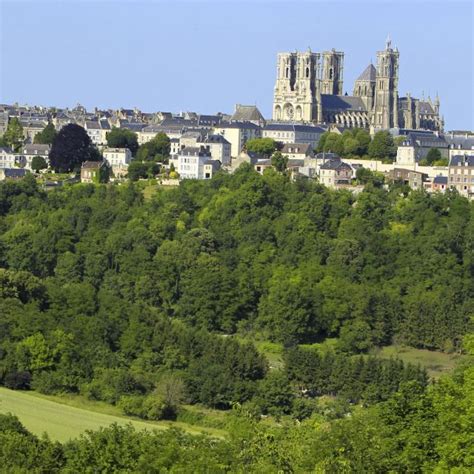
(156, 149)
(365, 176)
(363, 137)
(38, 163)
(432, 156)
(71, 147)
(14, 134)
(279, 161)
(382, 146)
(122, 138)
(264, 146)
(46, 136)
(334, 143)
(139, 170)
(351, 146)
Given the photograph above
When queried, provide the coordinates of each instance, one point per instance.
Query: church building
(309, 88)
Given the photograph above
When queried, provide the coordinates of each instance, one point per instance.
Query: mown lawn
(68, 419)
(436, 363)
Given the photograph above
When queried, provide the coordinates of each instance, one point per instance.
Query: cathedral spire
(388, 43)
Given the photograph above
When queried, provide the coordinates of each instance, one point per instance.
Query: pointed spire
(388, 44)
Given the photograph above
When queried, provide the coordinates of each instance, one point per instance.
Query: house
(8, 159)
(335, 172)
(31, 128)
(118, 159)
(219, 147)
(248, 157)
(32, 150)
(237, 134)
(439, 184)
(297, 151)
(97, 131)
(414, 179)
(12, 173)
(93, 171)
(460, 143)
(293, 133)
(196, 163)
(461, 174)
(262, 164)
(417, 144)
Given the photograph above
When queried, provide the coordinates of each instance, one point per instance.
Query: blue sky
(207, 56)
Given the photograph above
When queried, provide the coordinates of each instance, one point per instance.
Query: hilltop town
(316, 132)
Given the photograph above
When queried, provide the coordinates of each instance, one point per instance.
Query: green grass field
(436, 363)
(62, 421)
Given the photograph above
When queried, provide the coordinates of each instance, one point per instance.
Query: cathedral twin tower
(309, 88)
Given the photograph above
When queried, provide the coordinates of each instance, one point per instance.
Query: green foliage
(156, 149)
(13, 135)
(46, 136)
(264, 146)
(71, 147)
(365, 176)
(140, 170)
(38, 163)
(382, 146)
(122, 138)
(279, 161)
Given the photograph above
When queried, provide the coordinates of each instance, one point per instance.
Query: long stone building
(309, 88)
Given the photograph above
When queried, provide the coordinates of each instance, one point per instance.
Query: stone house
(335, 172)
(461, 174)
(93, 171)
(414, 179)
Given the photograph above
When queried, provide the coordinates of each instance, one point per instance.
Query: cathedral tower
(332, 73)
(364, 86)
(296, 87)
(386, 88)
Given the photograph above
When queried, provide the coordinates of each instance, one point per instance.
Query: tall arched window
(330, 73)
(307, 72)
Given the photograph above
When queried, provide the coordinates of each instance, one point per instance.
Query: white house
(32, 150)
(196, 163)
(237, 134)
(118, 159)
(293, 133)
(8, 159)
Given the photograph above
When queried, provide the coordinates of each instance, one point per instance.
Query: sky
(208, 56)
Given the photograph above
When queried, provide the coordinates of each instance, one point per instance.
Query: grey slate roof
(460, 142)
(194, 151)
(241, 125)
(91, 125)
(36, 149)
(368, 74)
(342, 102)
(245, 113)
(215, 139)
(462, 160)
(440, 180)
(334, 164)
(301, 148)
(423, 139)
(15, 172)
(291, 127)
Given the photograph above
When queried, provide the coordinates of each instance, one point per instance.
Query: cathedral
(309, 88)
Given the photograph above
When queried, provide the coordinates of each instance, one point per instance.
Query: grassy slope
(66, 418)
(436, 363)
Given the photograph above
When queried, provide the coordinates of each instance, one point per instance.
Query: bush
(17, 380)
(47, 382)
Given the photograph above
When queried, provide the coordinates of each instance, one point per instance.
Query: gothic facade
(309, 88)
